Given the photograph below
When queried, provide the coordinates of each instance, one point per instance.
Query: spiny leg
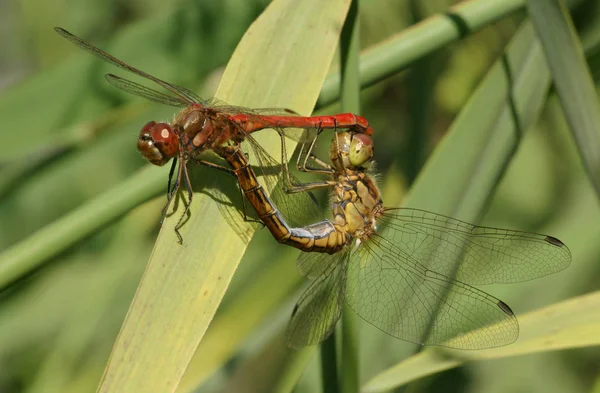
(188, 185)
(289, 185)
(306, 153)
(326, 167)
(171, 172)
(171, 192)
(303, 187)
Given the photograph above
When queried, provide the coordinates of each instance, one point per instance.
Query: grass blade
(573, 323)
(394, 54)
(573, 81)
(349, 376)
(29, 254)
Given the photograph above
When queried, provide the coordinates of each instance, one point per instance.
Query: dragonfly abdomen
(324, 237)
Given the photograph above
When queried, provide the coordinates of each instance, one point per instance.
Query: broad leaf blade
(279, 62)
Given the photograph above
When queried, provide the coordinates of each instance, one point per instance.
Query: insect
(205, 124)
(406, 271)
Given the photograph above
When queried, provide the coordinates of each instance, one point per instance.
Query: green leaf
(255, 301)
(38, 248)
(473, 156)
(397, 52)
(570, 324)
(475, 152)
(348, 375)
(573, 81)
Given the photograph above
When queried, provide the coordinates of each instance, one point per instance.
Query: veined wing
(469, 253)
(181, 92)
(405, 299)
(314, 264)
(136, 89)
(224, 107)
(299, 209)
(320, 306)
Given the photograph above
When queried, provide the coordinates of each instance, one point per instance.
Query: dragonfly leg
(183, 173)
(171, 172)
(303, 187)
(306, 154)
(171, 191)
(322, 164)
(290, 187)
(234, 174)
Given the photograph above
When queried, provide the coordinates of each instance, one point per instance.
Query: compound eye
(344, 139)
(158, 143)
(147, 128)
(339, 149)
(361, 150)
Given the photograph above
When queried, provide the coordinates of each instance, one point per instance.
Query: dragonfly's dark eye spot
(295, 310)
(504, 307)
(554, 241)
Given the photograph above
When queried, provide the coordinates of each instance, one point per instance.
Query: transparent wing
(236, 110)
(314, 264)
(181, 92)
(396, 294)
(299, 209)
(145, 92)
(469, 253)
(320, 306)
(275, 111)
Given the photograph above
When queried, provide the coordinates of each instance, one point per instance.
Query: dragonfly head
(353, 150)
(158, 143)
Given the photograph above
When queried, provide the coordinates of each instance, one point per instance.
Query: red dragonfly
(206, 124)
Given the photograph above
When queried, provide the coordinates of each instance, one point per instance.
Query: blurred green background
(68, 136)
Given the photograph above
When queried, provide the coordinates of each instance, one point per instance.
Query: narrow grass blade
(348, 377)
(394, 54)
(573, 323)
(26, 256)
(573, 81)
(468, 164)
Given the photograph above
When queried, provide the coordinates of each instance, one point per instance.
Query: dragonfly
(408, 272)
(204, 125)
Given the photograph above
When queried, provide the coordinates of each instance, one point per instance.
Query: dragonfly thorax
(158, 143)
(202, 129)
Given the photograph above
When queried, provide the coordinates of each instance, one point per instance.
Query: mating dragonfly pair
(406, 271)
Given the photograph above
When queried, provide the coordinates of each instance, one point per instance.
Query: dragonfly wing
(181, 92)
(391, 291)
(473, 254)
(236, 110)
(299, 209)
(275, 111)
(145, 92)
(320, 306)
(315, 264)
